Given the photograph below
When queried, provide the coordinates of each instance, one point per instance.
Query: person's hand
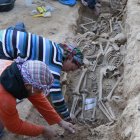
(67, 126)
(49, 133)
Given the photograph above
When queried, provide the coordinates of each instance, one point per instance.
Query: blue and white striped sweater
(34, 47)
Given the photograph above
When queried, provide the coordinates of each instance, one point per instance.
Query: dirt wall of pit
(128, 125)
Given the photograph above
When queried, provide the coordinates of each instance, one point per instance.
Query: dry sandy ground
(57, 27)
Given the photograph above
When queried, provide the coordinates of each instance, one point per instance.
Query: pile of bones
(103, 44)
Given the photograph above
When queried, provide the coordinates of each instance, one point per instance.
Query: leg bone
(111, 92)
(101, 106)
(74, 104)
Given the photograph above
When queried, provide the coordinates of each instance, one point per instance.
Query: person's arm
(42, 104)
(50, 115)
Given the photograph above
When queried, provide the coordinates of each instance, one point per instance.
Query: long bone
(105, 50)
(111, 92)
(106, 47)
(91, 56)
(83, 25)
(110, 23)
(115, 47)
(101, 48)
(84, 95)
(78, 111)
(74, 103)
(110, 110)
(100, 85)
(87, 19)
(77, 93)
(83, 105)
(94, 111)
(104, 110)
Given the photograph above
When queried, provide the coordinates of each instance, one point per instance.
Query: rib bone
(100, 85)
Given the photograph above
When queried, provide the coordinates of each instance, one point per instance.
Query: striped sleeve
(7, 40)
(57, 99)
(55, 65)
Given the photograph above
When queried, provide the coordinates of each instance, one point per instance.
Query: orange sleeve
(10, 117)
(45, 108)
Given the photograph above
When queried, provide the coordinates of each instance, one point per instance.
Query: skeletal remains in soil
(102, 56)
(76, 93)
